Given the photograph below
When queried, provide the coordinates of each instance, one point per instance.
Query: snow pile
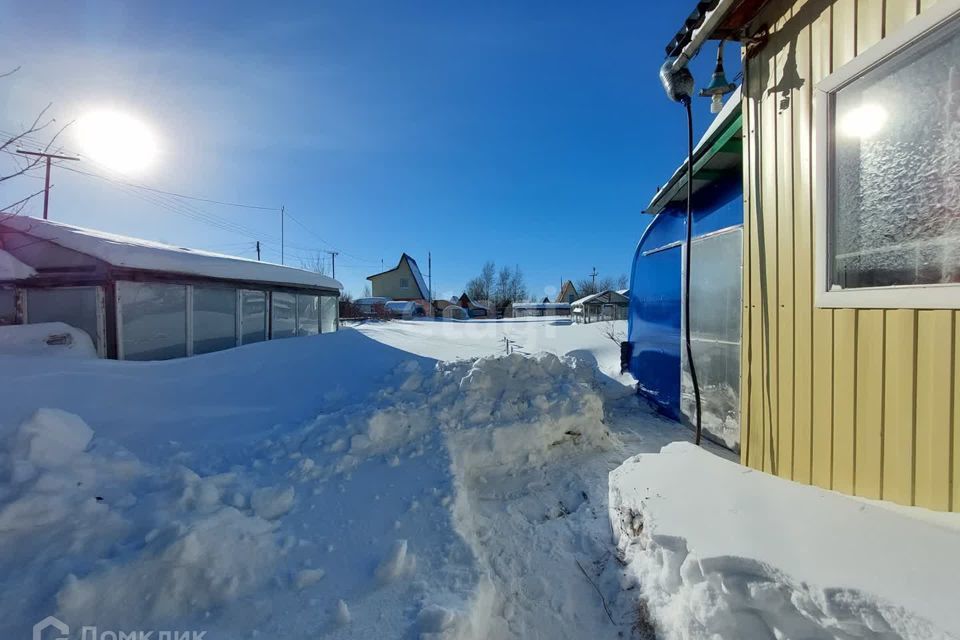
(514, 411)
(392, 474)
(720, 551)
(46, 339)
(90, 532)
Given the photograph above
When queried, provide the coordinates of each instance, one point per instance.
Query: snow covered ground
(377, 482)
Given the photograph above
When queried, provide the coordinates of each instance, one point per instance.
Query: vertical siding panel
(803, 264)
(745, 371)
(822, 357)
(898, 409)
(783, 109)
(926, 4)
(869, 432)
(845, 30)
(767, 231)
(896, 14)
(934, 408)
(955, 433)
(844, 390)
(757, 418)
(869, 24)
(868, 410)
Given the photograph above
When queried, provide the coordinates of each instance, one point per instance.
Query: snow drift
(720, 551)
(343, 526)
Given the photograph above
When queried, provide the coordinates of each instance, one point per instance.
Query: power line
(169, 200)
(177, 195)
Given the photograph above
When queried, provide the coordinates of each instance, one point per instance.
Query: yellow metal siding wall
(865, 401)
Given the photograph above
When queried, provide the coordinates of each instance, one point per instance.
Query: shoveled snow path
(543, 536)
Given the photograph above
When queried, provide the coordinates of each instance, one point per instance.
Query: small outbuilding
(605, 305)
(539, 309)
(144, 300)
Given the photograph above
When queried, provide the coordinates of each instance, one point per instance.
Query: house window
(888, 193)
(404, 283)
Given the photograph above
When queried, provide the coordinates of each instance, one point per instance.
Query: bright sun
(117, 141)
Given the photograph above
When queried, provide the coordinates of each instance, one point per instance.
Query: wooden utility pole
(46, 184)
(430, 279)
(333, 260)
(258, 251)
(594, 276)
(282, 209)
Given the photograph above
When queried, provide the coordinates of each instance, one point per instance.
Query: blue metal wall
(655, 289)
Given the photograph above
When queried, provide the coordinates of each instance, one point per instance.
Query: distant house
(606, 305)
(476, 309)
(568, 293)
(403, 282)
(143, 300)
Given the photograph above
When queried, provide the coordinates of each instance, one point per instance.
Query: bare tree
(589, 286)
(314, 263)
(367, 293)
(622, 281)
(481, 287)
(22, 164)
(611, 331)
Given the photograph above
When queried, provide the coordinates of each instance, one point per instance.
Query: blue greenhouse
(655, 356)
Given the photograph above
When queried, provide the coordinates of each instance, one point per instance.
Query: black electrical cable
(686, 275)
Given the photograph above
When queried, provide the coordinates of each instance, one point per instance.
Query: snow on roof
(136, 253)
(13, 269)
(418, 277)
(584, 300)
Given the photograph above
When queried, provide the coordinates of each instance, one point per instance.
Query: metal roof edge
(731, 111)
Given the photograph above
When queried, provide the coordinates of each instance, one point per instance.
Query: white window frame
(404, 283)
(927, 296)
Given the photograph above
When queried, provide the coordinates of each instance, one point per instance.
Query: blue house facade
(656, 358)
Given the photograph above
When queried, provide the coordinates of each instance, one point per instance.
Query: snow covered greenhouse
(143, 300)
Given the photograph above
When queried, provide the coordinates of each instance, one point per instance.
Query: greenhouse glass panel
(214, 319)
(308, 315)
(154, 320)
(329, 310)
(76, 306)
(715, 289)
(283, 315)
(254, 319)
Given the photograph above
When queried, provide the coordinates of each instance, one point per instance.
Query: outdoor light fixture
(719, 85)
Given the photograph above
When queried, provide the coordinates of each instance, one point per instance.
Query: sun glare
(864, 121)
(117, 141)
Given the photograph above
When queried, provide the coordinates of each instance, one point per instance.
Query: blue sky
(528, 133)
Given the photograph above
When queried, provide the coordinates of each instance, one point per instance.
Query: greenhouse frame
(143, 300)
